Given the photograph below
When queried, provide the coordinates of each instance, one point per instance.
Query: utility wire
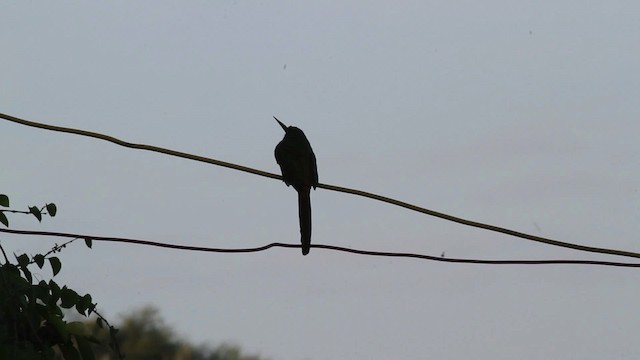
(324, 186)
(320, 246)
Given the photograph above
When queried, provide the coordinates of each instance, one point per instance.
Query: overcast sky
(520, 114)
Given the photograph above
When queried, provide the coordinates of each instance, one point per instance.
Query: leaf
(55, 289)
(84, 348)
(4, 200)
(55, 294)
(11, 270)
(77, 328)
(92, 307)
(59, 325)
(56, 265)
(88, 242)
(39, 259)
(52, 209)
(85, 304)
(68, 297)
(41, 291)
(3, 219)
(36, 212)
(99, 322)
(69, 352)
(113, 331)
(81, 308)
(27, 274)
(23, 260)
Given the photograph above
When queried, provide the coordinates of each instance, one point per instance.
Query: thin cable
(320, 246)
(138, 146)
(327, 187)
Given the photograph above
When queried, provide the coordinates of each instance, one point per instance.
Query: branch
(325, 186)
(320, 246)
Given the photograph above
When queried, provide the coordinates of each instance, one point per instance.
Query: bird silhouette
(298, 165)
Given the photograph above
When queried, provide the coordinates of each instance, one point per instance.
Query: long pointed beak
(284, 127)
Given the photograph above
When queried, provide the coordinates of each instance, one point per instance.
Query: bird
(299, 169)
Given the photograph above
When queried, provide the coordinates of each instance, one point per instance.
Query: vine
(32, 315)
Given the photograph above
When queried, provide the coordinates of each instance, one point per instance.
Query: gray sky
(520, 114)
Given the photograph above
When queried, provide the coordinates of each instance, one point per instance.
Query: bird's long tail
(304, 213)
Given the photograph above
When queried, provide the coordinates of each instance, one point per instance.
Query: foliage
(32, 319)
(33, 210)
(144, 335)
(34, 316)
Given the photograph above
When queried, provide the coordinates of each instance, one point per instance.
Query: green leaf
(4, 200)
(36, 212)
(56, 265)
(52, 209)
(55, 294)
(55, 289)
(69, 298)
(80, 308)
(39, 259)
(69, 352)
(27, 274)
(11, 270)
(40, 311)
(91, 309)
(84, 348)
(23, 260)
(41, 291)
(59, 325)
(3, 219)
(89, 242)
(84, 304)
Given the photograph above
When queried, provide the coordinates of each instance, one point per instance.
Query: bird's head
(284, 127)
(292, 132)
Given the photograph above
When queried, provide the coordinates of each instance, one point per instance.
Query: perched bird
(298, 165)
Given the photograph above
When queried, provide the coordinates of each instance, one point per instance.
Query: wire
(138, 146)
(320, 246)
(325, 186)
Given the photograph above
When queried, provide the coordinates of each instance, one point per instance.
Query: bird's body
(298, 165)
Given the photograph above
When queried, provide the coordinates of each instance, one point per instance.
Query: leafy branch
(51, 210)
(32, 323)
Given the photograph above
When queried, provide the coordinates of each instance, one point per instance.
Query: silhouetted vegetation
(143, 335)
(34, 316)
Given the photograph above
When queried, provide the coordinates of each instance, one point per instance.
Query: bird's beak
(284, 127)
